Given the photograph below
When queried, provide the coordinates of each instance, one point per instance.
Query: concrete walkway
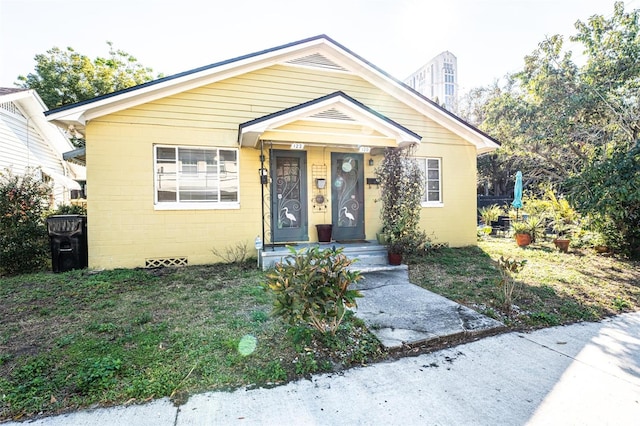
(583, 374)
(400, 313)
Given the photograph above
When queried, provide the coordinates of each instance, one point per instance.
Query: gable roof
(319, 51)
(9, 90)
(334, 107)
(32, 108)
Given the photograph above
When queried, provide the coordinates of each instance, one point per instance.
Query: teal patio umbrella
(517, 193)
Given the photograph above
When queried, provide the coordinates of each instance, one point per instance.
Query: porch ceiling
(335, 119)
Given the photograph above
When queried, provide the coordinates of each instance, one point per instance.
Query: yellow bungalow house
(268, 144)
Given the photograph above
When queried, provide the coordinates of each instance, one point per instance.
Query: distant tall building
(438, 80)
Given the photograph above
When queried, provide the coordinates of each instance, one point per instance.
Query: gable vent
(12, 108)
(332, 114)
(316, 60)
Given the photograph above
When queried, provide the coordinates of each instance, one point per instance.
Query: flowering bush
(23, 204)
(401, 190)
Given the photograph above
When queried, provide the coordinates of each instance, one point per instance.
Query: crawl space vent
(165, 261)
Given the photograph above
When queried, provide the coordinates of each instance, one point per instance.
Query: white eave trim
(33, 108)
(61, 179)
(280, 55)
(176, 84)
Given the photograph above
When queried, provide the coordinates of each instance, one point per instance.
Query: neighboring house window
(432, 173)
(191, 177)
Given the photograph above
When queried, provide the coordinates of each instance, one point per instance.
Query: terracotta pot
(523, 240)
(395, 258)
(562, 244)
(324, 233)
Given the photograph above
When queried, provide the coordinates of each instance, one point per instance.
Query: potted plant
(565, 220)
(490, 215)
(596, 240)
(396, 247)
(563, 231)
(536, 227)
(522, 232)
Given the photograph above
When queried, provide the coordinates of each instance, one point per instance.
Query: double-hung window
(196, 178)
(432, 183)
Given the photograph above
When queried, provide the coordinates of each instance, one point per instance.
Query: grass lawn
(553, 288)
(84, 338)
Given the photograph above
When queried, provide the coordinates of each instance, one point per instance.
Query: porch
(371, 255)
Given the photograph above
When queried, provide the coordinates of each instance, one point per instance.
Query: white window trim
(433, 204)
(196, 206)
(164, 206)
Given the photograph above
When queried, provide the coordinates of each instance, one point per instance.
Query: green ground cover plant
(84, 338)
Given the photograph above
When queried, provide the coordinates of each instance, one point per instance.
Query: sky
(490, 38)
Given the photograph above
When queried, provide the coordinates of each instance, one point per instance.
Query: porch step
(371, 256)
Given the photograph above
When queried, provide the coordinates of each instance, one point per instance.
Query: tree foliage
(609, 189)
(23, 232)
(575, 127)
(63, 77)
(553, 115)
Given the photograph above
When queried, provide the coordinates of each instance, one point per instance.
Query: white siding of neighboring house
(22, 146)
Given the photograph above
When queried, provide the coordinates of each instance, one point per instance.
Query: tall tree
(65, 76)
(553, 114)
(578, 127)
(607, 186)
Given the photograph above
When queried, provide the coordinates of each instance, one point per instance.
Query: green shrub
(312, 286)
(490, 214)
(401, 193)
(23, 204)
(607, 190)
(506, 284)
(69, 209)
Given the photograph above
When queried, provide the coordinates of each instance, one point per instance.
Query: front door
(289, 196)
(347, 196)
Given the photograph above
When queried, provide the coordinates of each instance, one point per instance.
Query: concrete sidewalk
(583, 374)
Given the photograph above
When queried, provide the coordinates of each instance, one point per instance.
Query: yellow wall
(124, 229)
(455, 222)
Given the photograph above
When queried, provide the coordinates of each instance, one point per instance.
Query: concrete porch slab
(399, 313)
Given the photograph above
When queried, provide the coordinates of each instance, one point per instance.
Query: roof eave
(79, 114)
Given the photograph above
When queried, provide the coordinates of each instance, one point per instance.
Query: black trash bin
(68, 235)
